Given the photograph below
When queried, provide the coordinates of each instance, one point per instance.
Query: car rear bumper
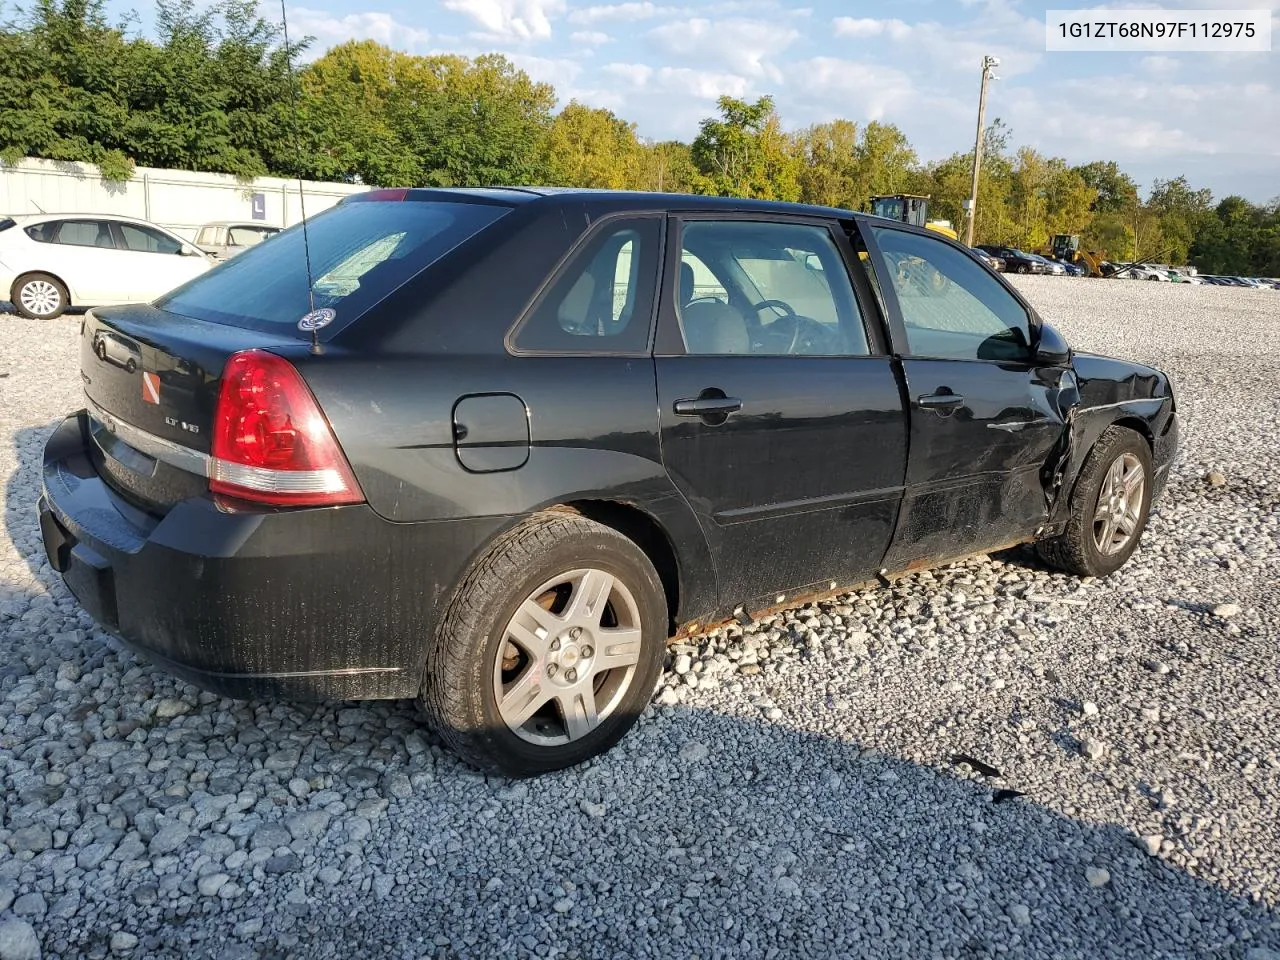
(303, 604)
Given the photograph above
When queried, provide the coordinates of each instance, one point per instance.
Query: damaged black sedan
(493, 448)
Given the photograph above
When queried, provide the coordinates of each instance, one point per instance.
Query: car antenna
(302, 195)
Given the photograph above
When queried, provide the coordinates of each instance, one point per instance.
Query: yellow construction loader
(1066, 247)
(912, 209)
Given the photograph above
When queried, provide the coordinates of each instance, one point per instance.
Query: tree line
(214, 91)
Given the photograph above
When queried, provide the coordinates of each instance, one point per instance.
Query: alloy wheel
(40, 297)
(1119, 509)
(569, 656)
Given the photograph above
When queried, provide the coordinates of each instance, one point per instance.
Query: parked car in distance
(49, 262)
(1051, 267)
(1071, 269)
(1142, 271)
(222, 240)
(1015, 260)
(995, 263)
(337, 490)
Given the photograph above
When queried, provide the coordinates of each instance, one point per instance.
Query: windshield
(359, 251)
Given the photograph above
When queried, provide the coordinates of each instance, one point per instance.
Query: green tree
(666, 166)
(828, 154)
(1117, 192)
(590, 147)
(744, 153)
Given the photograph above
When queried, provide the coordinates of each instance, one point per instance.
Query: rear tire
(39, 296)
(549, 650)
(1109, 508)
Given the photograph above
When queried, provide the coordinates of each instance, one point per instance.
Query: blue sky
(660, 64)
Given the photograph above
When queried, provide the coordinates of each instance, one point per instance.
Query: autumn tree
(589, 147)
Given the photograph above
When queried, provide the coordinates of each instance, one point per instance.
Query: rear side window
(602, 301)
(5, 223)
(360, 252)
(83, 233)
(208, 235)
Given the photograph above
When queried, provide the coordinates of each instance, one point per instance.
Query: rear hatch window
(359, 252)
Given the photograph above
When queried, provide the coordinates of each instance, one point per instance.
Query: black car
(508, 442)
(1015, 261)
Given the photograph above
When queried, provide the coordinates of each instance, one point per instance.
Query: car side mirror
(1051, 349)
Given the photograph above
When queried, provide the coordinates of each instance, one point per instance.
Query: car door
(83, 253)
(985, 419)
(153, 261)
(784, 430)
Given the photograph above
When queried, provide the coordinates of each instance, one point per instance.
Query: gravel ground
(793, 791)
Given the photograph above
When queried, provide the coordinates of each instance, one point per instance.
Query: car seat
(715, 328)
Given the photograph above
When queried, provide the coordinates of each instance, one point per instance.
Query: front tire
(1024, 269)
(550, 648)
(39, 296)
(1109, 508)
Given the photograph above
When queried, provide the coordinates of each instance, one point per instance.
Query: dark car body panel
(828, 475)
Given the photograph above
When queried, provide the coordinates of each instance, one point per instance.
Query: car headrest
(715, 328)
(686, 283)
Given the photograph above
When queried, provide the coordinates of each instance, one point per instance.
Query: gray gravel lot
(791, 794)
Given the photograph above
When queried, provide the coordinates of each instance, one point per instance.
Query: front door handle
(707, 407)
(939, 401)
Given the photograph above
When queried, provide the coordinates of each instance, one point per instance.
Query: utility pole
(988, 64)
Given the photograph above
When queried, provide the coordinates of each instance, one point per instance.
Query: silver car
(222, 240)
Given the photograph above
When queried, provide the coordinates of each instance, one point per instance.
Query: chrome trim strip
(1124, 403)
(174, 454)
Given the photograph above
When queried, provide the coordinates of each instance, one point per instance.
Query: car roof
(517, 196)
(22, 218)
(240, 223)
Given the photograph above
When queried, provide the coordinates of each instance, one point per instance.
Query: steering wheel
(782, 305)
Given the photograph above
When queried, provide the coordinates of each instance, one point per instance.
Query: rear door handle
(707, 406)
(939, 401)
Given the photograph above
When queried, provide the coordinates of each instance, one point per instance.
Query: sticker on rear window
(317, 319)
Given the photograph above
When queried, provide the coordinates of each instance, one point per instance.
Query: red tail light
(271, 442)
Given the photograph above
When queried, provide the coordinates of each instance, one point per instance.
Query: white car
(49, 262)
(1143, 271)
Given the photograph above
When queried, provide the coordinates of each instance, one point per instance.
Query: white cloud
(612, 12)
(1160, 67)
(739, 45)
(864, 27)
(330, 30)
(679, 81)
(858, 91)
(958, 48)
(559, 72)
(510, 19)
(590, 37)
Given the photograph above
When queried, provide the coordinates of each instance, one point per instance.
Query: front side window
(771, 289)
(952, 308)
(208, 236)
(147, 240)
(602, 301)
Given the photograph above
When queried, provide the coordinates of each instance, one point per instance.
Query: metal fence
(180, 200)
